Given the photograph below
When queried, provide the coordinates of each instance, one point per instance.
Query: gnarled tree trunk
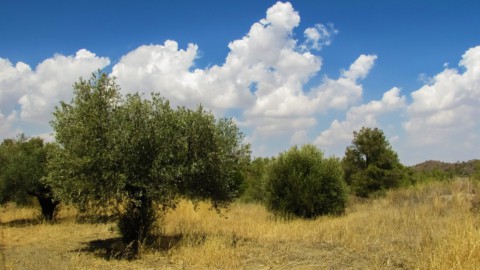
(137, 221)
(48, 206)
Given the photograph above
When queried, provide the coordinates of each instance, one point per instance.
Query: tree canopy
(370, 164)
(140, 152)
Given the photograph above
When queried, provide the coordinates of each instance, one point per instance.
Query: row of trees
(302, 182)
(139, 155)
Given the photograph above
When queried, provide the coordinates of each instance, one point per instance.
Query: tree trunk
(48, 206)
(136, 223)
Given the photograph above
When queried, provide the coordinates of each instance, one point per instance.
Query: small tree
(301, 182)
(141, 153)
(22, 167)
(370, 164)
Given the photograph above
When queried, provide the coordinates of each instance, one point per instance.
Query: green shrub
(302, 183)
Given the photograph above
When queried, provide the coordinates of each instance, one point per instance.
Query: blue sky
(289, 72)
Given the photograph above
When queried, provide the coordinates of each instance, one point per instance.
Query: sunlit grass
(430, 226)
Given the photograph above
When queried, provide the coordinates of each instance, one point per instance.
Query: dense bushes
(301, 182)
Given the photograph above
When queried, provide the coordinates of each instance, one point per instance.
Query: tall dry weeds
(430, 226)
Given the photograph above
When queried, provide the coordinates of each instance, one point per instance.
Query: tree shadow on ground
(114, 248)
(95, 219)
(24, 222)
(32, 221)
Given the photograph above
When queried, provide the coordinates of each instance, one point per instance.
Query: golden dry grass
(431, 226)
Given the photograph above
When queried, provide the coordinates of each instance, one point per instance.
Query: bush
(302, 183)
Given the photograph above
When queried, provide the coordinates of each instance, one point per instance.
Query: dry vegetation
(431, 226)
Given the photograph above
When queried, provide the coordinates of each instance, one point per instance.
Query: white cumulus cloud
(443, 116)
(264, 74)
(29, 96)
(7, 129)
(339, 134)
(319, 36)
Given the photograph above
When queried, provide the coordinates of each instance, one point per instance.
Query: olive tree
(141, 153)
(22, 166)
(301, 182)
(371, 165)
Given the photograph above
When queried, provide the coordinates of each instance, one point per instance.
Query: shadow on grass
(38, 220)
(114, 248)
(96, 219)
(25, 222)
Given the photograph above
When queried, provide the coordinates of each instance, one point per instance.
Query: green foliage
(22, 167)
(432, 170)
(476, 173)
(434, 175)
(301, 182)
(255, 175)
(84, 167)
(211, 158)
(371, 166)
(141, 153)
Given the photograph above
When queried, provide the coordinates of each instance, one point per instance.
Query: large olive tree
(22, 167)
(371, 165)
(140, 153)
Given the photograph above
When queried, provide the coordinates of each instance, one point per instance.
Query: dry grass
(432, 226)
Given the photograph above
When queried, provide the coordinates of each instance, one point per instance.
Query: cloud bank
(265, 84)
(28, 97)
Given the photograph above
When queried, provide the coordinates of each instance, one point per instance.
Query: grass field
(430, 226)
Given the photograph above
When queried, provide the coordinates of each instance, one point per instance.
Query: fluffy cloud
(28, 95)
(440, 122)
(14, 82)
(445, 111)
(319, 36)
(339, 134)
(264, 57)
(345, 91)
(7, 129)
(264, 74)
(52, 80)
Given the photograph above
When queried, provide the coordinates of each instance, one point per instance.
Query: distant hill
(463, 169)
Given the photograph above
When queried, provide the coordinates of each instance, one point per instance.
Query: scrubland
(433, 225)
